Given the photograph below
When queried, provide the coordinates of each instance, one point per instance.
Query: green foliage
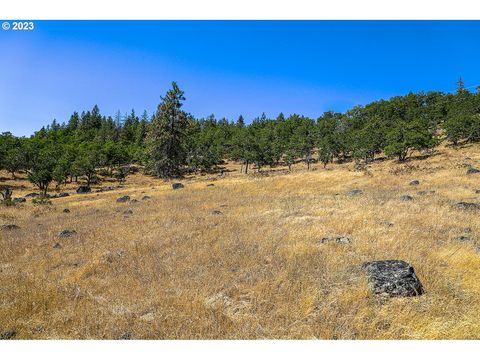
(406, 136)
(166, 137)
(41, 201)
(173, 142)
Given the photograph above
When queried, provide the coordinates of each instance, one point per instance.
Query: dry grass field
(172, 268)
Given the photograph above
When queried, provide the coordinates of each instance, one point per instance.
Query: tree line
(172, 142)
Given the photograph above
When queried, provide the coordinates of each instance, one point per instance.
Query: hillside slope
(243, 259)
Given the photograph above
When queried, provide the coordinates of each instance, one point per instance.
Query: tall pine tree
(166, 137)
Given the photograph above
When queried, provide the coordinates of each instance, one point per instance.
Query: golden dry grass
(174, 270)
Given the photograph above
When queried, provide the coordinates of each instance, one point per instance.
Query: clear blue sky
(226, 67)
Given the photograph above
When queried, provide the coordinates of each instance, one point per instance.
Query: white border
(239, 9)
(238, 350)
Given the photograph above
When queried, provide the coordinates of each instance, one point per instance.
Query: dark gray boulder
(414, 182)
(406, 198)
(467, 206)
(176, 186)
(123, 199)
(472, 171)
(67, 233)
(355, 192)
(339, 239)
(8, 335)
(63, 194)
(66, 211)
(463, 238)
(19, 200)
(83, 189)
(9, 227)
(392, 278)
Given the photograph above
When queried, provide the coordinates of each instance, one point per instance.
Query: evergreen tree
(166, 136)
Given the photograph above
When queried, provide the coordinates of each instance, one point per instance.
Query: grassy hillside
(243, 259)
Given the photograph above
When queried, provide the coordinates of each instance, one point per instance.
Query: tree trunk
(246, 167)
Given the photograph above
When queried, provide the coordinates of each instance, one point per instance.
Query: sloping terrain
(244, 259)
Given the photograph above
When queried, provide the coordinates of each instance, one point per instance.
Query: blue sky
(226, 68)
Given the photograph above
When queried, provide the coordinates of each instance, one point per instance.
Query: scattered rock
(393, 278)
(32, 195)
(406, 198)
(63, 194)
(146, 197)
(463, 238)
(339, 239)
(108, 188)
(477, 191)
(217, 212)
(57, 246)
(9, 227)
(111, 256)
(134, 200)
(414, 182)
(148, 317)
(421, 193)
(67, 233)
(125, 336)
(128, 212)
(83, 189)
(355, 192)
(176, 186)
(19, 200)
(8, 335)
(66, 211)
(123, 199)
(388, 223)
(210, 185)
(472, 171)
(467, 206)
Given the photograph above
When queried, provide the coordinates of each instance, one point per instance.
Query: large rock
(392, 278)
(19, 200)
(123, 199)
(67, 233)
(354, 192)
(176, 186)
(8, 335)
(63, 194)
(32, 195)
(83, 189)
(414, 182)
(9, 227)
(472, 171)
(406, 198)
(467, 206)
